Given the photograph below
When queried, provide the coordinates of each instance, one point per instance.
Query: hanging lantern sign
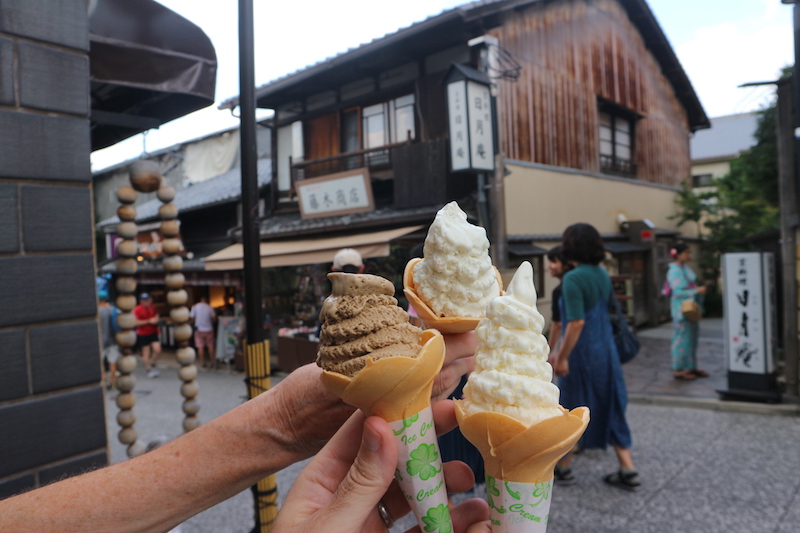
(471, 119)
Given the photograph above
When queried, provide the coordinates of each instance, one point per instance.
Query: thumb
(367, 480)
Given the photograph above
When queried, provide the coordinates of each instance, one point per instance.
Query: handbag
(626, 341)
(690, 310)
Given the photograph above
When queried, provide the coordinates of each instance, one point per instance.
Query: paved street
(706, 465)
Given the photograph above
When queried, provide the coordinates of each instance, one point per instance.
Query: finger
(471, 516)
(444, 416)
(355, 499)
(460, 345)
(333, 462)
(449, 377)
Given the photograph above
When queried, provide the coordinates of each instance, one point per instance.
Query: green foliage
(739, 205)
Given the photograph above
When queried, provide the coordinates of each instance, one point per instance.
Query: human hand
(561, 367)
(458, 360)
(340, 489)
(308, 414)
(702, 289)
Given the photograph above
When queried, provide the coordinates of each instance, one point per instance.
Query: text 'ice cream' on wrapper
(452, 285)
(510, 410)
(374, 359)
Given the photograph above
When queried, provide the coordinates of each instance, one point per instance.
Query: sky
(720, 43)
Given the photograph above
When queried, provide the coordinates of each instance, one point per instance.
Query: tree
(739, 205)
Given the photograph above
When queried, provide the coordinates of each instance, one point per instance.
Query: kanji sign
(749, 321)
(335, 194)
(471, 119)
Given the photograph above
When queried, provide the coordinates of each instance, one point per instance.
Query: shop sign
(470, 111)
(749, 309)
(336, 194)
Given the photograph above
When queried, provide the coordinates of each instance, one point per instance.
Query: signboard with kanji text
(335, 194)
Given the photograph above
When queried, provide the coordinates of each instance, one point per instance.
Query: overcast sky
(720, 43)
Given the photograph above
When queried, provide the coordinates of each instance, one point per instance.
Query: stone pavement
(706, 465)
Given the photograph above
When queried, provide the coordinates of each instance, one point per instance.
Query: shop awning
(308, 251)
(624, 247)
(148, 65)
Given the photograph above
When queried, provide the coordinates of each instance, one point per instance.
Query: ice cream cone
(515, 452)
(392, 388)
(398, 389)
(431, 319)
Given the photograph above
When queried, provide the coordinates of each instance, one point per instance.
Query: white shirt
(203, 315)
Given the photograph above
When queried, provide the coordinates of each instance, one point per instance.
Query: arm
(574, 328)
(158, 490)
(679, 283)
(552, 341)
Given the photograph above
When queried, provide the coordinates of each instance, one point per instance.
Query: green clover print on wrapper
(421, 460)
(437, 520)
(492, 490)
(407, 423)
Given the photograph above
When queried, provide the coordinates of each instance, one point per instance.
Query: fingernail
(372, 439)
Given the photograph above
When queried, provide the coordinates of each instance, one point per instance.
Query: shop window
(616, 142)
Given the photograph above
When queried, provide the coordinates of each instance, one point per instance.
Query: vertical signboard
(459, 130)
(750, 326)
(479, 102)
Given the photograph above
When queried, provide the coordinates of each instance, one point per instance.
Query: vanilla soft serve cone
(375, 360)
(451, 286)
(510, 410)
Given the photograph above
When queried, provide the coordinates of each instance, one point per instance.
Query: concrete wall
(51, 402)
(545, 200)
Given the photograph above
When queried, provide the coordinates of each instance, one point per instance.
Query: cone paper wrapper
(515, 452)
(398, 389)
(518, 507)
(429, 317)
(419, 471)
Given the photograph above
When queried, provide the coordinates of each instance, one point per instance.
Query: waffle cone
(431, 319)
(515, 452)
(393, 388)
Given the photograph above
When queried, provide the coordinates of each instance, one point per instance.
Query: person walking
(557, 266)
(587, 361)
(203, 317)
(147, 341)
(682, 283)
(106, 315)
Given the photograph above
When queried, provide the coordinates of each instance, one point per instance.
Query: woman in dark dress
(587, 361)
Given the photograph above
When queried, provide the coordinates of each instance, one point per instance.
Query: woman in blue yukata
(682, 283)
(587, 362)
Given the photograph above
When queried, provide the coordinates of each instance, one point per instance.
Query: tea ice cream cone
(368, 361)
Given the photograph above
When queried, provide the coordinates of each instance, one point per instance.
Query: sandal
(563, 475)
(628, 480)
(686, 376)
(699, 373)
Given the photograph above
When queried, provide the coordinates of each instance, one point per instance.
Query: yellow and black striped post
(265, 492)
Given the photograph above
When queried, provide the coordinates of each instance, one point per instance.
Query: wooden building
(594, 117)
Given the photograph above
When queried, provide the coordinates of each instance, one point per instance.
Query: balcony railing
(375, 159)
(618, 167)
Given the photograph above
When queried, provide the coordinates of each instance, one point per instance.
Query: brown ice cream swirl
(361, 318)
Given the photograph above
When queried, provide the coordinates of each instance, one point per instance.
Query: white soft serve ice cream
(456, 278)
(512, 375)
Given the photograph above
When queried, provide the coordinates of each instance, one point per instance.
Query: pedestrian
(587, 361)
(147, 341)
(106, 315)
(557, 266)
(682, 283)
(204, 317)
(348, 260)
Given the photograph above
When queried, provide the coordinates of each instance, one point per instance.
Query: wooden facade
(575, 53)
